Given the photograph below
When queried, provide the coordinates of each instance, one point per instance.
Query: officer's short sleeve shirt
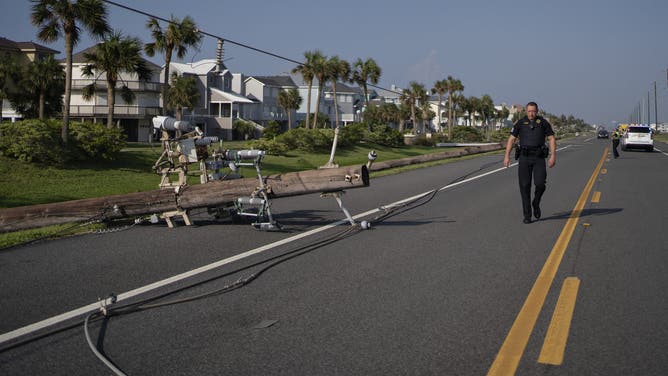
(532, 133)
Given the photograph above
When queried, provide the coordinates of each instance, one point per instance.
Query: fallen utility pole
(436, 156)
(213, 194)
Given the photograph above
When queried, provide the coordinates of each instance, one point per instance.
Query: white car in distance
(637, 137)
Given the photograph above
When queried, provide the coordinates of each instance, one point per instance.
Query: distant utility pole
(649, 120)
(656, 109)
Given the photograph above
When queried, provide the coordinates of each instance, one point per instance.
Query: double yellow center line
(511, 351)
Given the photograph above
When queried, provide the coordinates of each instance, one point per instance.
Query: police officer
(532, 130)
(615, 143)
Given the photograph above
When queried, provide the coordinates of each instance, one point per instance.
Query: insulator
(243, 154)
(250, 201)
(208, 140)
(170, 124)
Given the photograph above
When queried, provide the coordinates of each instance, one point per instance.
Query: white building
(134, 118)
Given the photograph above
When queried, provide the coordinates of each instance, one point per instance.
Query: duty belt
(531, 151)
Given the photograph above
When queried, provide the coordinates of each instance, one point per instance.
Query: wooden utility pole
(210, 195)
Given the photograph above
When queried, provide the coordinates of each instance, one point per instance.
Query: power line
(205, 33)
(244, 45)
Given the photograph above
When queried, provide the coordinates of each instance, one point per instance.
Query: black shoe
(536, 212)
(527, 220)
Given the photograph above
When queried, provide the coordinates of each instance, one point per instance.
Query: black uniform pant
(531, 166)
(615, 143)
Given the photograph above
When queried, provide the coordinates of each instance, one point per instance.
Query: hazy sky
(594, 59)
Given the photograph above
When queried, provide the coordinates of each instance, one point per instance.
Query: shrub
(243, 130)
(272, 146)
(95, 141)
(271, 130)
(39, 141)
(352, 134)
(307, 139)
(385, 135)
(32, 141)
(466, 134)
(500, 135)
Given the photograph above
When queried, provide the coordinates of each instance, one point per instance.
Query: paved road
(434, 288)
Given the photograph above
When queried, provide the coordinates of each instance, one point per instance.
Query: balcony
(120, 111)
(79, 84)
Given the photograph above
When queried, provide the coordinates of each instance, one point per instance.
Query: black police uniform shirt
(532, 133)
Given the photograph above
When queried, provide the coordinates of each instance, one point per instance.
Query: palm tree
(365, 72)
(487, 111)
(307, 72)
(404, 114)
(426, 114)
(9, 75)
(414, 97)
(321, 73)
(440, 88)
(458, 104)
(290, 100)
(177, 37)
(471, 106)
(389, 113)
(502, 115)
(336, 69)
(454, 86)
(41, 77)
(64, 18)
(183, 93)
(115, 56)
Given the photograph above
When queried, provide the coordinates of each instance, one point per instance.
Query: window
(639, 130)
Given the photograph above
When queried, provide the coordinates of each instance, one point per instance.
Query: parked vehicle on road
(637, 137)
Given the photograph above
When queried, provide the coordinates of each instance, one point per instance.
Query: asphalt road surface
(448, 282)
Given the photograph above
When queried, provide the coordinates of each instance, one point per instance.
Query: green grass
(30, 184)
(663, 137)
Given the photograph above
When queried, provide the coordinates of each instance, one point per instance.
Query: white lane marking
(130, 294)
(660, 151)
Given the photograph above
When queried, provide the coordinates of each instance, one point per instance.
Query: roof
(280, 81)
(218, 96)
(200, 68)
(343, 88)
(393, 92)
(78, 58)
(30, 46)
(8, 44)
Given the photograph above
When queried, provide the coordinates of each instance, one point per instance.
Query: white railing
(90, 110)
(133, 85)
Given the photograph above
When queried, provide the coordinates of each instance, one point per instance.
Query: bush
(272, 146)
(38, 141)
(271, 130)
(500, 135)
(96, 141)
(32, 141)
(307, 139)
(243, 130)
(385, 135)
(466, 134)
(352, 134)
